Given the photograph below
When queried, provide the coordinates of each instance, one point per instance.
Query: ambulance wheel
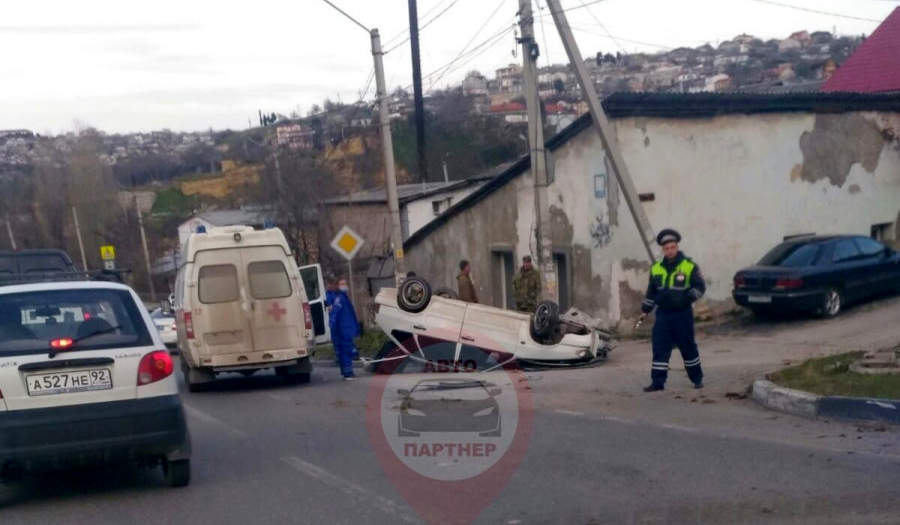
(414, 295)
(544, 320)
(178, 473)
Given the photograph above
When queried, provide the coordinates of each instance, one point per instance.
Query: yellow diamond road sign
(108, 252)
(347, 242)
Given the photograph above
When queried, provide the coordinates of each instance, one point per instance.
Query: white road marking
(277, 397)
(350, 488)
(568, 412)
(203, 416)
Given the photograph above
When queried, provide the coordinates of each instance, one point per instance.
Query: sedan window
(869, 247)
(791, 254)
(844, 251)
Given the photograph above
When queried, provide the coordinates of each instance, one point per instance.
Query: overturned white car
(443, 334)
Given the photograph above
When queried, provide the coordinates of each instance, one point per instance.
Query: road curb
(329, 363)
(801, 403)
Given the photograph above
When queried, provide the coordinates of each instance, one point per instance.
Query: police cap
(668, 235)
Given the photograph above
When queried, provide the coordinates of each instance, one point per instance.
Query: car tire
(832, 302)
(544, 320)
(177, 473)
(414, 295)
(446, 293)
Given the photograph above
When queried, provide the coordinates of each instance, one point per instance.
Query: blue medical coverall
(344, 329)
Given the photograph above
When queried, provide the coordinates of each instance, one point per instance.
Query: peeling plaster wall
(730, 184)
(733, 185)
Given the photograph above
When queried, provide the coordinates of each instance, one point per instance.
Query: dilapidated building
(735, 173)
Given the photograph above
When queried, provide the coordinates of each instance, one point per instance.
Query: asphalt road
(265, 452)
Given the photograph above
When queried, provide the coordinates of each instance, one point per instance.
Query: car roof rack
(58, 276)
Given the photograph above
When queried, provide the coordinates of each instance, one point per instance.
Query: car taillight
(740, 282)
(188, 325)
(154, 366)
(307, 316)
(61, 343)
(786, 284)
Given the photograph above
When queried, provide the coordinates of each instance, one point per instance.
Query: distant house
(509, 79)
(789, 44)
(248, 216)
(875, 65)
(475, 84)
(295, 136)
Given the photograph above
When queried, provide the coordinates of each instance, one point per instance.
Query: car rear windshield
(75, 319)
(791, 254)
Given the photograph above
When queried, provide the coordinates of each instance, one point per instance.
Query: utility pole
(603, 127)
(530, 53)
(146, 251)
(387, 144)
(12, 240)
(80, 240)
(417, 89)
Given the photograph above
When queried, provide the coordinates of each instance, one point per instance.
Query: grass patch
(831, 376)
(367, 344)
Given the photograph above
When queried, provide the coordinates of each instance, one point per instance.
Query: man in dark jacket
(527, 286)
(675, 283)
(464, 283)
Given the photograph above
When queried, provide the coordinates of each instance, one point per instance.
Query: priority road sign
(347, 243)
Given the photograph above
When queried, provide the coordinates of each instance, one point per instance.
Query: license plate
(68, 382)
(759, 298)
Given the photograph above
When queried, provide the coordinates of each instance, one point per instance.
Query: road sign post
(347, 243)
(108, 254)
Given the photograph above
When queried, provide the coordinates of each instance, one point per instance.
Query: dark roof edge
(695, 105)
(457, 184)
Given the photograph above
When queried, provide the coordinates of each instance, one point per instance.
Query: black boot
(698, 385)
(654, 388)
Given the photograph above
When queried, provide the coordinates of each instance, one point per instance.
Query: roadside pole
(12, 239)
(80, 241)
(387, 144)
(146, 251)
(543, 236)
(601, 123)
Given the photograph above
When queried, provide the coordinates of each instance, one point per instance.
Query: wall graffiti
(600, 232)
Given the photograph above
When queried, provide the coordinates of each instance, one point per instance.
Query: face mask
(344, 288)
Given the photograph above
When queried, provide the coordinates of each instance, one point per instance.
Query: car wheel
(196, 380)
(832, 302)
(178, 473)
(446, 293)
(414, 294)
(545, 319)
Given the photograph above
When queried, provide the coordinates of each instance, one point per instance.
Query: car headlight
(414, 412)
(485, 412)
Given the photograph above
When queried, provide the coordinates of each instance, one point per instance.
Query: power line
(405, 31)
(544, 36)
(817, 11)
(472, 39)
(660, 46)
(621, 48)
(426, 24)
(341, 11)
(443, 70)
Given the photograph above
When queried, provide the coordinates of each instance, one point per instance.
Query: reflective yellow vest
(679, 279)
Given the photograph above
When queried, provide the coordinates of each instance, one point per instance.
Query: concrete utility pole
(146, 251)
(80, 241)
(417, 89)
(603, 127)
(387, 144)
(542, 233)
(12, 239)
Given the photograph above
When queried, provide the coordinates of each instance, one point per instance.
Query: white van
(241, 305)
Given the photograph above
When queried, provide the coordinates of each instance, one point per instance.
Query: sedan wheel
(831, 304)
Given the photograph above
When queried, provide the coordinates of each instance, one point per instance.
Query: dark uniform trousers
(673, 329)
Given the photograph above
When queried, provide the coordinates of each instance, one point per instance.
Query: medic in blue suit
(344, 327)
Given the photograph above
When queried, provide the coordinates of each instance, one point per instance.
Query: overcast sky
(195, 64)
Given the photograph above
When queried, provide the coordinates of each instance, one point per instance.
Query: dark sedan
(818, 274)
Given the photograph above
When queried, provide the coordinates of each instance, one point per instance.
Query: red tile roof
(875, 65)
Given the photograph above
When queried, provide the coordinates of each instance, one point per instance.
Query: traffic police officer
(675, 283)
